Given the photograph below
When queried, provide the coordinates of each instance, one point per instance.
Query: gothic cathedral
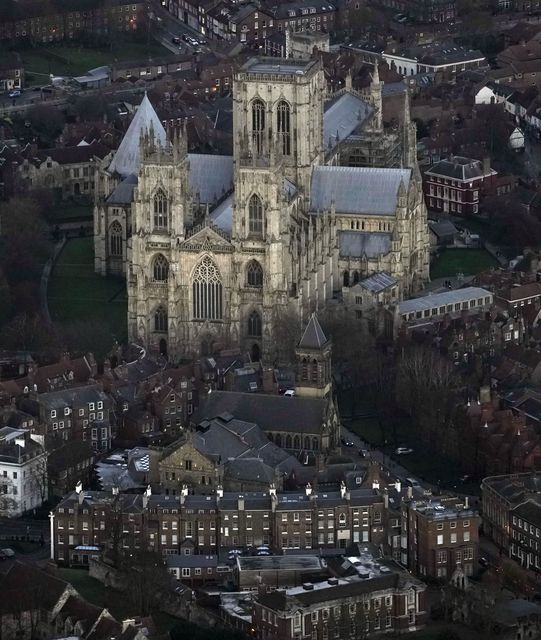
(218, 250)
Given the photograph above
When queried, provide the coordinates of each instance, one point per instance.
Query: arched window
(254, 325)
(258, 124)
(160, 268)
(315, 444)
(306, 442)
(254, 274)
(160, 319)
(346, 278)
(304, 371)
(115, 239)
(296, 442)
(288, 442)
(160, 210)
(284, 127)
(207, 291)
(315, 371)
(355, 277)
(255, 216)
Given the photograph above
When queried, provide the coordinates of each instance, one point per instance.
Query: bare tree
(8, 503)
(147, 578)
(426, 390)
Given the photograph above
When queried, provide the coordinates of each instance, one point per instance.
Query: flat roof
(442, 299)
(277, 66)
(279, 563)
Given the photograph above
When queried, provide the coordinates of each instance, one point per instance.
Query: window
(254, 325)
(440, 539)
(160, 210)
(254, 274)
(53, 413)
(207, 291)
(115, 239)
(160, 320)
(466, 536)
(258, 124)
(185, 572)
(453, 538)
(160, 268)
(284, 127)
(255, 216)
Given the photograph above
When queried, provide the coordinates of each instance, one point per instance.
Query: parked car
(347, 443)
(6, 553)
(289, 393)
(401, 451)
(15, 93)
(175, 40)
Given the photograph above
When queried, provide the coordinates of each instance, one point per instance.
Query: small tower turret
(313, 355)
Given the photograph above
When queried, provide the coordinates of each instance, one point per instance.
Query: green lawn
(69, 212)
(76, 293)
(63, 60)
(466, 261)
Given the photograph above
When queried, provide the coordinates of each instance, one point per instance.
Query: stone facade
(217, 251)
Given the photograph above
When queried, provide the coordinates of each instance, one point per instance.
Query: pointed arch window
(160, 268)
(254, 274)
(283, 115)
(258, 124)
(255, 216)
(160, 319)
(254, 325)
(115, 239)
(161, 210)
(207, 291)
(315, 371)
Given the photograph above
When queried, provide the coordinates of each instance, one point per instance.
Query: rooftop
(442, 299)
(278, 66)
(279, 563)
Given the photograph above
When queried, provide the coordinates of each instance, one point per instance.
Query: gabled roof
(313, 336)
(126, 159)
(342, 117)
(357, 189)
(210, 176)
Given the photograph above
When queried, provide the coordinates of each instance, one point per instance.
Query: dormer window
(53, 413)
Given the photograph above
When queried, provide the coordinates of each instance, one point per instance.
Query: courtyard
(77, 294)
(63, 60)
(466, 261)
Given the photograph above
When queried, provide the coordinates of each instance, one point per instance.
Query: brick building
(205, 524)
(42, 22)
(454, 185)
(372, 598)
(11, 71)
(439, 534)
(501, 498)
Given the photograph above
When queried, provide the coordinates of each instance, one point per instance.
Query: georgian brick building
(205, 524)
(454, 185)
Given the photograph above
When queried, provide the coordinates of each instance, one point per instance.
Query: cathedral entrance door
(163, 347)
(256, 352)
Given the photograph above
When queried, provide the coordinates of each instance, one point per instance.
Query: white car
(402, 451)
(289, 393)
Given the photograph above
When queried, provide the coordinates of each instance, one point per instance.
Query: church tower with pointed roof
(313, 354)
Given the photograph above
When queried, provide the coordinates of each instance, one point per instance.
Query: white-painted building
(23, 472)
(433, 58)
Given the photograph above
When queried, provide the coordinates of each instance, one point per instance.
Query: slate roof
(210, 176)
(123, 192)
(378, 282)
(459, 168)
(177, 560)
(75, 155)
(126, 158)
(313, 336)
(355, 244)
(357, 189)
(222, 216)
(522, 292)
(271, 413)
(442, 299)
(342, 117)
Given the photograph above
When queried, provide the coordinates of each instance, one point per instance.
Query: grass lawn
(466, 261)
(69, 212)
(63, 60)
(76, 293)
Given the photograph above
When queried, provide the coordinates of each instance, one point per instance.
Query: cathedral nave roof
(222, 216)
(357, 190)
(355, 244)
(342, 116)
(123, 193)
(210, 176)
